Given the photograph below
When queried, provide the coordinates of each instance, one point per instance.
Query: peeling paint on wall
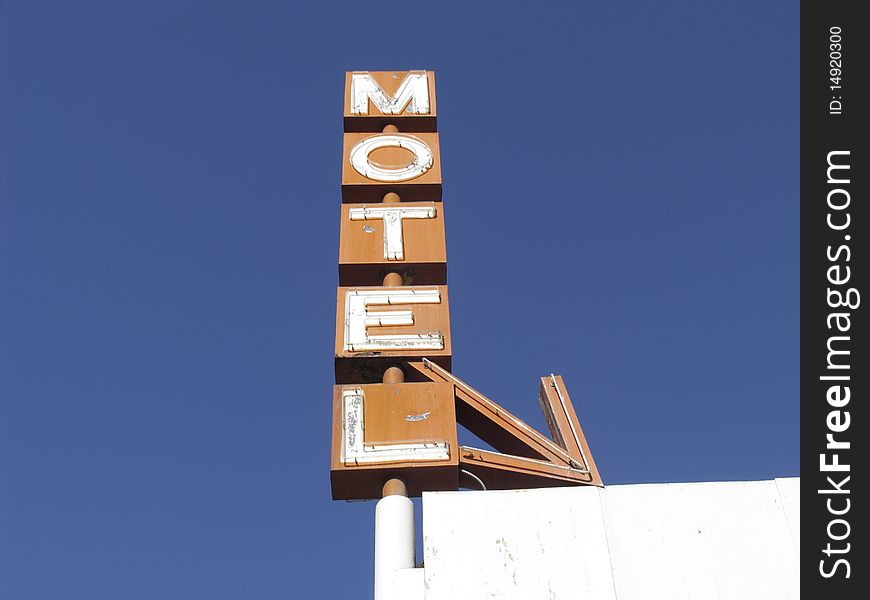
(718, 540)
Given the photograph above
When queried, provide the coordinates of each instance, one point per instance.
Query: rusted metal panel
(379, 326)
(392, 304)
(404, 430)
(374, 99)
(525, 458)
(374, 164)
(491, 422)
(564, 425)
(500, 471)
(406, 237)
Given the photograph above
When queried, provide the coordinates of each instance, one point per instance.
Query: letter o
(845, 535)
(839, 206)
(359, 158)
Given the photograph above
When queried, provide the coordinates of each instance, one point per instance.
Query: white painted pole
(394, 542)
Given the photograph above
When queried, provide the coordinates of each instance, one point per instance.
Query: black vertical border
(821, 133)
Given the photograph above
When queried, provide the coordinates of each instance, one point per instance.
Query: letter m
(412, 96)
(835, 167)
(834, 353)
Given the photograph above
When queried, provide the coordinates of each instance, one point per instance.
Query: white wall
(677, 541)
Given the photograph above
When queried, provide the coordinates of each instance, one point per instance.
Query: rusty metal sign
(396, 404)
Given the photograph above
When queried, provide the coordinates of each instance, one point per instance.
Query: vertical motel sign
(396, 404)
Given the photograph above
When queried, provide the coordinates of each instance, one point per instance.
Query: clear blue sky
(169, 202)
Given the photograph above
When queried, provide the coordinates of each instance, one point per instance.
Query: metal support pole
(394, 537)
(394, 375)
(393, 279)
(394, 512)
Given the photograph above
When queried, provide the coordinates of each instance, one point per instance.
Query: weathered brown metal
(361, 259)
(408, 424)
(393, 279)
(367, 366)
(491, 422)
(394, 487)
(355, 187)
(394, 374)
(390, 81)
(504, 471)
(396, 401)
(525, 458)
(401, 413)
(564, 425)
